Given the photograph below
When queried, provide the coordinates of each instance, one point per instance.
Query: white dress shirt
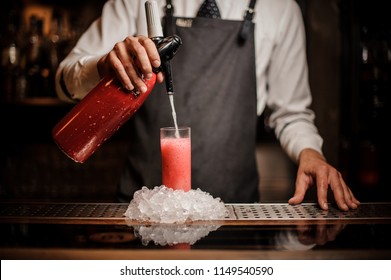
(281, 65)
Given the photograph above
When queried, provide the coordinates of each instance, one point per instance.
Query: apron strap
(168, 19)
(244, 31)
(169, 9)
(246, 25)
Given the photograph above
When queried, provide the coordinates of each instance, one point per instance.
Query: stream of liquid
(171, 97)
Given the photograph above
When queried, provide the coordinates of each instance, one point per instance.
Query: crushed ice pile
(172, 234)
(165, 205)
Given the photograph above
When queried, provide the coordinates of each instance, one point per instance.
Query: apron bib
(215, 94)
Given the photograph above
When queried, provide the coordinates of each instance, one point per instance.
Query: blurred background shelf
(349, 58)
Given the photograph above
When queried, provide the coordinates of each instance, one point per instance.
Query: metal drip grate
(113, 212)
(306, 211)
(63, 210)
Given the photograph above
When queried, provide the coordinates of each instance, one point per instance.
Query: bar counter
(250, 231)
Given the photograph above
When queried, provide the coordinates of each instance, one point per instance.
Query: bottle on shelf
(57, 39)
(374, 88)
(37, 62)
(11, 78)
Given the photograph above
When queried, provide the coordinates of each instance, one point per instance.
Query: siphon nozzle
(167, 46)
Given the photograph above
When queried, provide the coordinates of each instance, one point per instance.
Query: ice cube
(166, 205)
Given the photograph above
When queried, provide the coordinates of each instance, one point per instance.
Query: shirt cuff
(89, 76)
(75, 82)
(298, 136)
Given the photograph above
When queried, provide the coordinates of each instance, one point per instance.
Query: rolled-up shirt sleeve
(78, 74)
(83, 74)
(289, 91)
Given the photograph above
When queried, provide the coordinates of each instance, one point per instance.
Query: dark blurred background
(349, 56)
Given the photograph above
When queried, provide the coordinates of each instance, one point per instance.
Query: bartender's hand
(314, 170)
(132, 61)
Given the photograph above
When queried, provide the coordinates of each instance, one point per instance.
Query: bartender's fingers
(303, 182)
(122, 64)
(153, 57)
(322, 187)
(145, 54)
(341, 194)
(350, 200)
(130, 61)
(354, 199)
(152, 52)
(136, 61)
(160, 77)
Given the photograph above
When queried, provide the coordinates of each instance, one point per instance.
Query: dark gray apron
(215, 94)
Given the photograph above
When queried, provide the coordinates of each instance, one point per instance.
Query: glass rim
(168, 128)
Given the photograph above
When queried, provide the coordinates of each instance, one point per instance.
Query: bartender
(237, 58)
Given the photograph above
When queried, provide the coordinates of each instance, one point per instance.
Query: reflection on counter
(250, 231)
(172, 234)
(54, 241)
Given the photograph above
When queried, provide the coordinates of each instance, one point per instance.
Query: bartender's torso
(215, 94)
(278, 38)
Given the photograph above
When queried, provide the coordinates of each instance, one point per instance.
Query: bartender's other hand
(132, 61)
(314, 170)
